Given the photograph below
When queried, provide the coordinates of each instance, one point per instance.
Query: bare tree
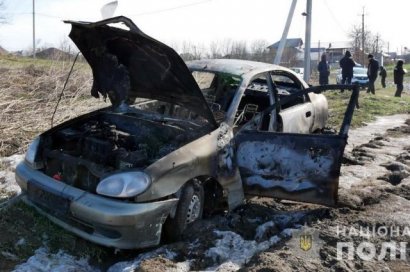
(239, 50)
(259, 50)
(68, 46)
(215, 50)
(191, 51)
(373, 43)
(3, 16)
(225, 47)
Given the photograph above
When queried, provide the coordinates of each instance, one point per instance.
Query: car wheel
(189, 209)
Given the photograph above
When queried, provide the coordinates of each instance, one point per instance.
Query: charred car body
(178, 142)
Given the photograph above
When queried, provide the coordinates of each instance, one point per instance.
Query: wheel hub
(193, 209)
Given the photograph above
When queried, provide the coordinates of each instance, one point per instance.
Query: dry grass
(29, 91)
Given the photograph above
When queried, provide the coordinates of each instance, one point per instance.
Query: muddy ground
(265, 234)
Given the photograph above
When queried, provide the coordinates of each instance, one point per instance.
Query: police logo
(305, 242)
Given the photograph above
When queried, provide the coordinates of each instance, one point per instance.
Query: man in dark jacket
(372, 70)
(347, 64)
(398, 74)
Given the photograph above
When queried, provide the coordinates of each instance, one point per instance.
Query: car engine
(85, 152)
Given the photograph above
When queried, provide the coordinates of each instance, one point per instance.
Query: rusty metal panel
(299, 167)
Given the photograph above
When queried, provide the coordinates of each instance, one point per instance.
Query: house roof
(294, 42)
(332, 45)
(3, 51)
(315, 50)
(53, 53)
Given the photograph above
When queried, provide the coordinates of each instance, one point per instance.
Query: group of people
(373, 70)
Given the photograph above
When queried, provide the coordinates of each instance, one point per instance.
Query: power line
(135, 14)
(37, 13)
(334, 18)
(170, 9)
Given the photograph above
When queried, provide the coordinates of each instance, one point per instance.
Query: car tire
(189, 209)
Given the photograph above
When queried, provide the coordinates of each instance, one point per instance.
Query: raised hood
(128, 64)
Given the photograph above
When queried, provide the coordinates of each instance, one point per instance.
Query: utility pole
(363, 55)
(282, 42)
(306, 73)
(34, 31)
(377, 43)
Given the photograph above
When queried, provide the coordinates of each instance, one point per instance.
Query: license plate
(46, 199)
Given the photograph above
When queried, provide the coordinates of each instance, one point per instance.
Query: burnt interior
(82, 153)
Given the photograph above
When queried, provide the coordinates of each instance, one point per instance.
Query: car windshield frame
(230, 83)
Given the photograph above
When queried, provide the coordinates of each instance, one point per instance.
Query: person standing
(347, 64)
(372, 70)
(398, 74)
(324, 70)
(383, 75)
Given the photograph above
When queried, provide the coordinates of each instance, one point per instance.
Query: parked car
(298, 70)
(179, 141)
(359, 77)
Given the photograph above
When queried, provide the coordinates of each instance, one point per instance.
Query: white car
(359, 77)
(298, 70)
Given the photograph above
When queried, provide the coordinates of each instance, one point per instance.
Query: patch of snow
(130, 266)
(231, 251)
(21, 242)
(12, 161)
(43, 260)
(228, 267)
(261, 229)
(183, 266)
(288, 232)
(288, 219)
(8, 185)
(253, 220)
(9, 256)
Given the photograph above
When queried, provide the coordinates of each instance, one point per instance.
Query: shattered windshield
(217, 88)
(165, 111)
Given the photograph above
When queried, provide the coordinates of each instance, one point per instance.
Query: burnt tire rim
(194, 209)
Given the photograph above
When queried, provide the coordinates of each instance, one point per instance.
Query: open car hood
(128, 64)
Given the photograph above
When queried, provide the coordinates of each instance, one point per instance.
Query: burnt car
(179, 141)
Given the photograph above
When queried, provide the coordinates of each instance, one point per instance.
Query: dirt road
(266, 235)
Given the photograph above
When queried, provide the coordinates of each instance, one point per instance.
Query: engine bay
(83, 153)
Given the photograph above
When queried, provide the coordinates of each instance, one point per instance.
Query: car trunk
(82, 152)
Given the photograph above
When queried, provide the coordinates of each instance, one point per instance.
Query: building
(292, 53)
(336, 50)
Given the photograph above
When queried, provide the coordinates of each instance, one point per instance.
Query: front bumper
(361, 83)
(98, 219)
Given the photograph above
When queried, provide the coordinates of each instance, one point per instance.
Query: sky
(202, 21)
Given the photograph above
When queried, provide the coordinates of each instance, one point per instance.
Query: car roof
(233, 66)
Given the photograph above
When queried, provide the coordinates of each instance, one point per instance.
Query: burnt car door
(294, 166)
(297, 114)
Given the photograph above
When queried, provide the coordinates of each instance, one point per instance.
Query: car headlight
(122, 185)
(31, 154)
